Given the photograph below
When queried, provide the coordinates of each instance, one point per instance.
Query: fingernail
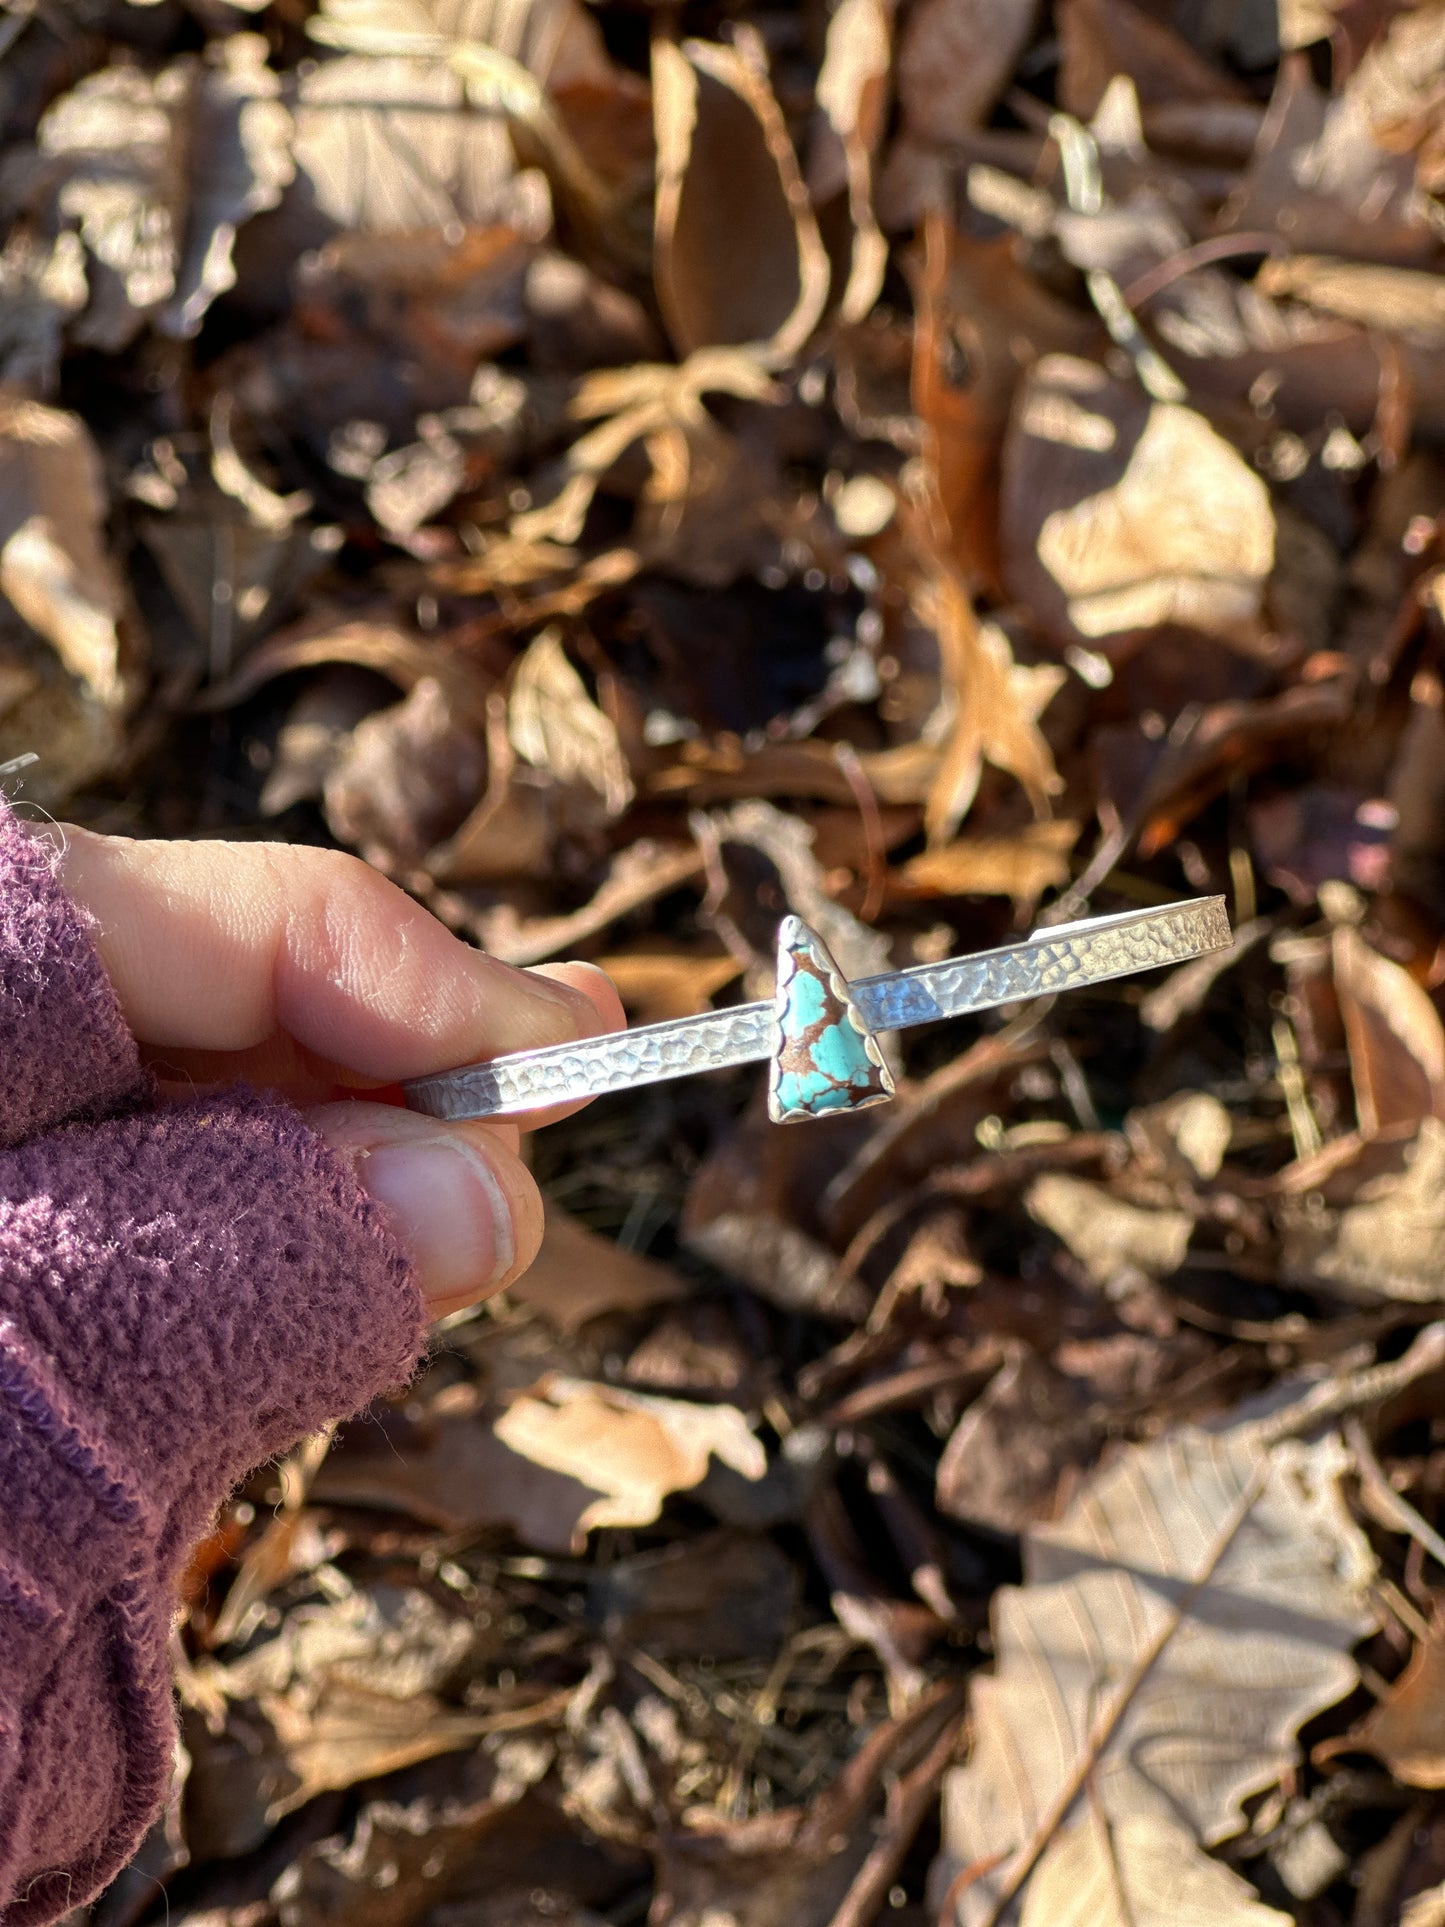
(447, 1209)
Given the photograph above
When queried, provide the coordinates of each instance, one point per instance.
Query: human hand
(304, 971)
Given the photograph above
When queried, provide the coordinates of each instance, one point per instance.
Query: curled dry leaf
(661, 407)
(852, 92)
(1407, 1729)
(69, 645)
(407, 777)
(1120, 515)
(1193, 1606)
(738, 257)
(555, 725)
(1395, 1037)
(631, 1449)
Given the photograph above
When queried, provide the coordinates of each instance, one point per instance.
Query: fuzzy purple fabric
(185, 1292)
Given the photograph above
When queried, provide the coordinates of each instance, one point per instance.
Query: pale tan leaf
(387, 143)
(394, 133)
(1192, 1126)
(1186, 535)
(54, 567)
(1106, 1234)
(1022, 865)
(555, 725)
(658, 985)
(1398, 300)
(738, 257)
(1389, 1243)
(853, 93)
(632, 1449)
(1395, 1037)
(1144, 1872)
(1194, 1605)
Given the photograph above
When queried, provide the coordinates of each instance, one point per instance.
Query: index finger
(217, 946)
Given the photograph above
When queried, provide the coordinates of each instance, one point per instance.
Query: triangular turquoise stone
(825, 1057)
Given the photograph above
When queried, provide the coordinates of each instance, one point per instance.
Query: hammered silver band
(1061, 958)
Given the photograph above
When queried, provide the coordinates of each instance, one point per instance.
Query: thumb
(457, 1196)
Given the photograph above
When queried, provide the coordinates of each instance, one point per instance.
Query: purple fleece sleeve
(184, 1292)
(64, 1048)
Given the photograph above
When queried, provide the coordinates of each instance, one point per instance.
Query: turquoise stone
(825, 1057)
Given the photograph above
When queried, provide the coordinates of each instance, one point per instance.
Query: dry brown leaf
(995, 703)
(1144, 1872)
(1121, 515)
(110, 166)
(511, 831)
(577, 1275)
(387, 647)
(1022, 865)
(632, 1449)
(1100, 39)
(1395, 1037)
(1389, 1243)
(238, 160)
(41, 288)
(349, 1689)
(1407, 1729)
(1106, 1234)
(554, 725)
(1336, 174)
(407, 777)
(954, 60)
(155, 174)
(1194, 1605)
(1003, 1461)
(737, 253)
(387, 143)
